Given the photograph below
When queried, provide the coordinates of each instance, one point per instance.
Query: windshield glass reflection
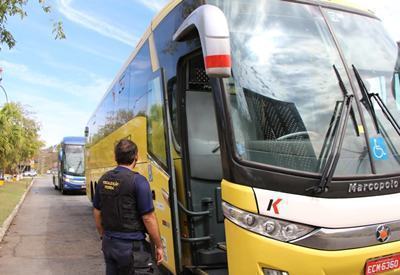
(74, 158)
(284, 95)
(375, 55)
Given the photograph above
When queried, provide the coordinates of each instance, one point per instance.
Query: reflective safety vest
(118, 202)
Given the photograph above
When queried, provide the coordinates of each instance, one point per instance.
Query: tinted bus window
(123, 113)
(155, 120)
(139, 74)
(169, 52)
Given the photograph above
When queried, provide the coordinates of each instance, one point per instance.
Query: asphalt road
(52, 234)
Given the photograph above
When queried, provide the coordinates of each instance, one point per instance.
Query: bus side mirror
(86, 131)
(212, 27)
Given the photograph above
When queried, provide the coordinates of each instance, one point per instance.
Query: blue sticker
(378, 148)
(240, 149)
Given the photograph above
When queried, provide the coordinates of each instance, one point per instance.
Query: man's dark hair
(125, 152)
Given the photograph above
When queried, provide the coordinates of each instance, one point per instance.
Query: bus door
(160, 166)
(202, 167)
(200, 140)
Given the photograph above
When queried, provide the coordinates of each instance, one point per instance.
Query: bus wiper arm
(79, 165)
(345, 93)
(366, 99)
(333, 158)
(386, 112)
(380, 102)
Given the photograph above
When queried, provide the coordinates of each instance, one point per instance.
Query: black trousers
(127, 257)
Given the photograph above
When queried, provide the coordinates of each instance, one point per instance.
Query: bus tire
(63, 191)
(91, 191)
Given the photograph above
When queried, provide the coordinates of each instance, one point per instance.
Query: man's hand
(159, 255)
(150, 222)
(97, 219)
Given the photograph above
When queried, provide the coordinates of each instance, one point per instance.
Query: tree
(10, 8)
(19, 139)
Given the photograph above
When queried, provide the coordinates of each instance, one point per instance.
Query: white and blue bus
(71, 166)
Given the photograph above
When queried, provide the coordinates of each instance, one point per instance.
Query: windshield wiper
(368, 102)
(345, 93)
(332, 125)
(79, 165)
(366, 98)
(338, 134)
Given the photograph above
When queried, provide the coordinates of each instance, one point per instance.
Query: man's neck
(130, 167)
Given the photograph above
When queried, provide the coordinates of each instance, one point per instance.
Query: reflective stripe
(218, 61)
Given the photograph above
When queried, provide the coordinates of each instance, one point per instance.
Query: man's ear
(135, 160)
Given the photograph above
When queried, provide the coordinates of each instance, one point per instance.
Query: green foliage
(9, 8)
(19, 139)
(10, 194)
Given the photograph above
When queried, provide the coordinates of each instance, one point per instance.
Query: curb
(4, 227)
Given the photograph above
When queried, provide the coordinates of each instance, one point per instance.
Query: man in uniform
(123, 212)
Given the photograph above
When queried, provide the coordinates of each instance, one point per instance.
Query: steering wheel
(299, 134)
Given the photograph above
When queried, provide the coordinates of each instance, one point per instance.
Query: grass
(10, 194)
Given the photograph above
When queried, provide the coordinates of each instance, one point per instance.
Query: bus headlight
(269, 227)
(268, 271)
(67, 179)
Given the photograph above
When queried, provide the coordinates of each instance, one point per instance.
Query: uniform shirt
(144, 204)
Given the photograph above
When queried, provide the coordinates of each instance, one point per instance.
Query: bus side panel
(183, 219)
(159, 184)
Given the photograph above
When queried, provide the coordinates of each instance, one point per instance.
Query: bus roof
(74, 140)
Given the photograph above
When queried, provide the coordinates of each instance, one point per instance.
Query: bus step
(211, 271)
(222, 246)
(210, 257)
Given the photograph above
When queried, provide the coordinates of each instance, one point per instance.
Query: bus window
(173, 109)
(122, 114)
(139, 74)
(205, 158)
(155, 120)
(73, 160)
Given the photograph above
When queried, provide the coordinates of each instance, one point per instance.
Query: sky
(61, 82)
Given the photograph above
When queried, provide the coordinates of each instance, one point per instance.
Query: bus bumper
(249, 253)
(74, 186)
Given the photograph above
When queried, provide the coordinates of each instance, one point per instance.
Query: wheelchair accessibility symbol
(378, 146)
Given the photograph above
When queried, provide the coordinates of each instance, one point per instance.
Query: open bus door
(200, 141)
(160, 167)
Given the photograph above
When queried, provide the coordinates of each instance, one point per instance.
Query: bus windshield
(284, 96)
(74, 160)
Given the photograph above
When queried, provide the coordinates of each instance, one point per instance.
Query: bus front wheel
(91, 191)
(54, 183)
(63, 191)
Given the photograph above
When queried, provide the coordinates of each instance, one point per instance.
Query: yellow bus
(269, 133)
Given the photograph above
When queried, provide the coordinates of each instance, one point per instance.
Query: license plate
(384, 264)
